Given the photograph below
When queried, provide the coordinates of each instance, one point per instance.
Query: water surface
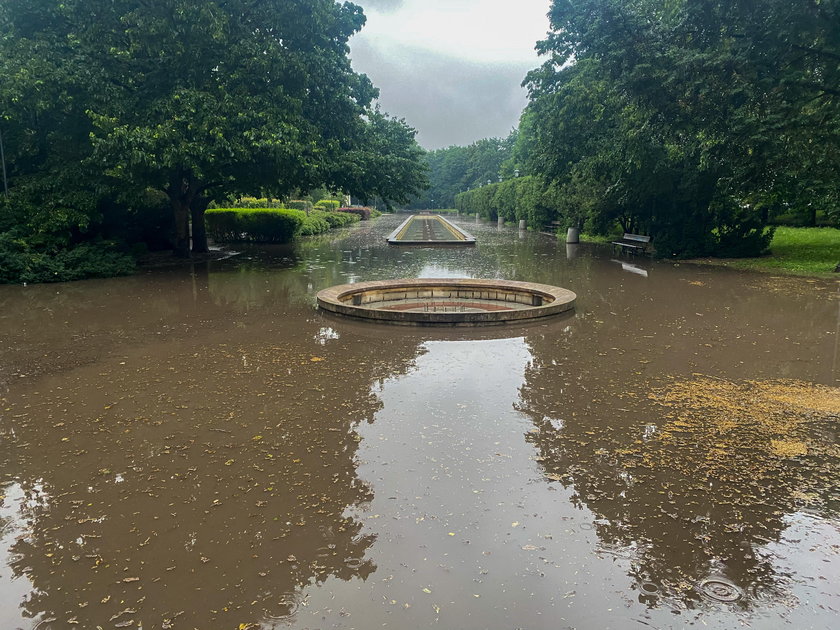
(199, 447)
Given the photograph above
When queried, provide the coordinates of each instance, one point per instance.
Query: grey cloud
(449, 101)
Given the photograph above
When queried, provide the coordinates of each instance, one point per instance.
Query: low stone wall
(533, 301)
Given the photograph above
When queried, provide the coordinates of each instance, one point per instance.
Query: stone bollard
(573, 235)
(501, 222)
(521, 224)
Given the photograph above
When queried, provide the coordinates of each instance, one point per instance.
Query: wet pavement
(199, 447)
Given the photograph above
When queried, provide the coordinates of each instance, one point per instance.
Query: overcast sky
(451, 68)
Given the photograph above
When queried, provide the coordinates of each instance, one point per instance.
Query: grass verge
(798, 251)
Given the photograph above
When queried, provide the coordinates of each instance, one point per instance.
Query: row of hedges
(270, 225)
(363, 212)
(515, 199)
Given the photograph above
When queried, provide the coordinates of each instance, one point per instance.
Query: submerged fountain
(446, 301)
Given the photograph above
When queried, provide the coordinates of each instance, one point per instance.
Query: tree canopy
(690, 120)
(104, 99)
(694, 121)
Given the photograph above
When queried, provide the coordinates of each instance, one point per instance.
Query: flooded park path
(199, 447)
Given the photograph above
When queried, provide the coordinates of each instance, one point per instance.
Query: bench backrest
(636, 237)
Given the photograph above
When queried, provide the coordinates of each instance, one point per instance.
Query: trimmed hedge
(270, 225)
(257, 202)
(363, 212)
(339, 219)
(522, 198)
(313, 224)
(257, 225)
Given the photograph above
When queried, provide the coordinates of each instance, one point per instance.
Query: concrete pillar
(573, 235)
(501, 221)
(522, 225)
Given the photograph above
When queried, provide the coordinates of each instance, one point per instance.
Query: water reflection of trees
(212, 478)
(685, 490)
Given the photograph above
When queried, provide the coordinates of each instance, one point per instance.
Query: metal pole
(3, 161)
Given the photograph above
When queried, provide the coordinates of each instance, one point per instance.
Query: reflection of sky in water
(436, 271)
(18, 508)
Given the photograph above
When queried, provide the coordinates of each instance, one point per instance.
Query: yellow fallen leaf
(316, 359)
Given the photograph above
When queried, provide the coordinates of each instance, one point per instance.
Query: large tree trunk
(181, 191)
(199, 230)
(182, 228)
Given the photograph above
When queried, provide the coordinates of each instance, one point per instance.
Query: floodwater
(199, 447)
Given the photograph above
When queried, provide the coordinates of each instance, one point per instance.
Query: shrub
(21, 262)
(329, 205)
(313, 224)
(339, 219)
(363, 212)
(299, 204)
(258, 225)
(257, 202)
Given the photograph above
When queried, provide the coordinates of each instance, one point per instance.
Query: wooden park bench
(551, 227)
(634, 243)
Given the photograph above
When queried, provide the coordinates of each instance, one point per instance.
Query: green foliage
(314, 223)
(21, 262)
(330, 205)
(299, 204)
(257, 225)
(363, 212)
(257, 202)
(387, 165)
(202, 101)
(692, 122)
(528, 198)
(339, 219)
(803, 251)
(457, 169)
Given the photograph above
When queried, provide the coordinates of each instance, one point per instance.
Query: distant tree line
(698, 122)
(122, 120)
(457, 169)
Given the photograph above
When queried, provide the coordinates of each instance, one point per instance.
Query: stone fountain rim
(335, 299)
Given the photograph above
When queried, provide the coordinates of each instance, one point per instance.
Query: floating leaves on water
(788, 448)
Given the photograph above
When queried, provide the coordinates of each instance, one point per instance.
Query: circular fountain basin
(446, 301)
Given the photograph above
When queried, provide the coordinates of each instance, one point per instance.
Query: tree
(198, 100)
(688, 119)
(216, 98)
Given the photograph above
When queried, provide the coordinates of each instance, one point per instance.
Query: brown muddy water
(201, 448)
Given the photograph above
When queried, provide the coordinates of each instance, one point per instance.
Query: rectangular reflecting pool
(425, 229)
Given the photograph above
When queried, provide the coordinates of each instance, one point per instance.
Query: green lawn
(802, 251)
